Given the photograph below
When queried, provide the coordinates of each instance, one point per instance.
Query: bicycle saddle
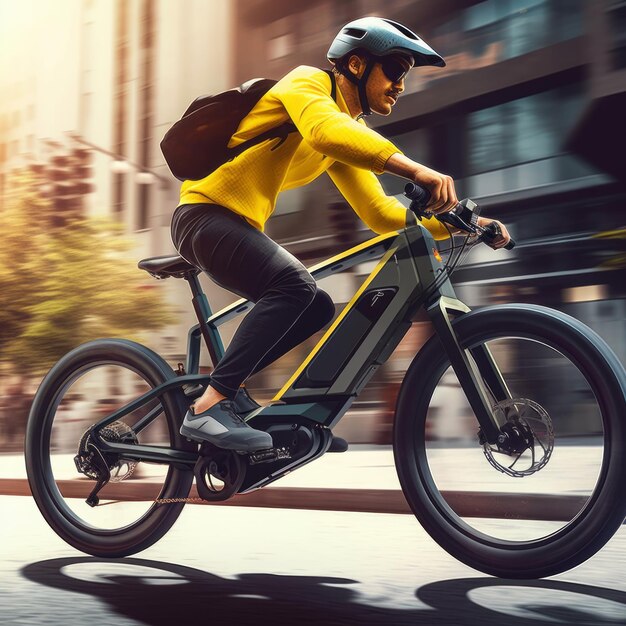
(166, 266)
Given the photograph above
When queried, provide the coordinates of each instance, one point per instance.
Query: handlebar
(419, 197)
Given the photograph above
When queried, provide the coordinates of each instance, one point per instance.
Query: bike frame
(361, 338)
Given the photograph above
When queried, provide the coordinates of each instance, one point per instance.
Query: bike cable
(452, 261)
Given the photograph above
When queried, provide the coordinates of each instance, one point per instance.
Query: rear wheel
(557, 497)
(86, 385)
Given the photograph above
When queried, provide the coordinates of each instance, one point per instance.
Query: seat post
(203, 313)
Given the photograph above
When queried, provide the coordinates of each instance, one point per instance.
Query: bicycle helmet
(378, 37)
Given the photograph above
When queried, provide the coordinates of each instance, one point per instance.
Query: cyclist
(219, 223)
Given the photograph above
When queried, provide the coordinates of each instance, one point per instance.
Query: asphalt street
(240, 565)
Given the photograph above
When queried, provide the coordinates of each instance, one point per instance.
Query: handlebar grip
(419, 196)
(491, 231)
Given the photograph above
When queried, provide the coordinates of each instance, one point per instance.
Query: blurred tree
(63, 286)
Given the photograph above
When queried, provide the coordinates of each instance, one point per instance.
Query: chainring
(116, 432)
(529, 424)
(219, 473)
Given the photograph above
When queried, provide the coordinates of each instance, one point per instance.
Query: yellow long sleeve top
(328, 140)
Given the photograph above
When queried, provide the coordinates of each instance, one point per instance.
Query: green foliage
(64, 285)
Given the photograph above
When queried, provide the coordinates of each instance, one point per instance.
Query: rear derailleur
(104, 467)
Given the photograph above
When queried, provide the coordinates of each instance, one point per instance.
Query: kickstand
(104, 475)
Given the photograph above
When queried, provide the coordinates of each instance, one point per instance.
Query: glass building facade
(493, 31)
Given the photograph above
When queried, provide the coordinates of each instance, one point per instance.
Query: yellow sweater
(328, 140)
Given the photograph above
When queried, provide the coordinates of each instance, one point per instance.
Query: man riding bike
(219, 223)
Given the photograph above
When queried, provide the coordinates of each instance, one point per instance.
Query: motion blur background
(528, 117)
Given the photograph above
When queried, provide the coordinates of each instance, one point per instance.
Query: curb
(465, 503)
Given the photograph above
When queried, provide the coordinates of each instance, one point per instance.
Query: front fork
(475, 368)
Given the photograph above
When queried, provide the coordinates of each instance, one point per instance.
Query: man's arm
(305, 95)
(380, 212)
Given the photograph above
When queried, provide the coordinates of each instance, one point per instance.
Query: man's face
(386, 82)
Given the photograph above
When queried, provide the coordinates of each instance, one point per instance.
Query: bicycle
(532, 377)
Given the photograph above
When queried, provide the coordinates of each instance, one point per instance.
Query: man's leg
(319, 313)
(244, 260)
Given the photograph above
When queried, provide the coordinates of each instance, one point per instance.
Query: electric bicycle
(509, 427)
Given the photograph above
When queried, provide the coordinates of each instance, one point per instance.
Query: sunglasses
(393, 69)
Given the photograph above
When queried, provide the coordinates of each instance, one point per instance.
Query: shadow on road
(162, 593)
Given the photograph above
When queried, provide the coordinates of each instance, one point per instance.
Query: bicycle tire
(603, 512)
(177, 484)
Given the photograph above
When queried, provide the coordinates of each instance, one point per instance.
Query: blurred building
(527, 117)
(108, 78)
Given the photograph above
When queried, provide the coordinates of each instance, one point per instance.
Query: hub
(515, 437)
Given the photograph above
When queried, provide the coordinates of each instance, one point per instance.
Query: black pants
(289, 307)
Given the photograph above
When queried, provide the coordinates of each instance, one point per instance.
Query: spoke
(517, 459)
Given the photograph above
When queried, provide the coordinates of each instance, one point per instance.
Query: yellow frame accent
(362, 246)
(345, 310)
(326, 263)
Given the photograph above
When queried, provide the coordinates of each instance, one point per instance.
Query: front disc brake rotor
(526, 436)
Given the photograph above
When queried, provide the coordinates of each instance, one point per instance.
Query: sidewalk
(364, 479)
(362, 466)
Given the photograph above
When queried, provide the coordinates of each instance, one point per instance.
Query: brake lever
(458, 222)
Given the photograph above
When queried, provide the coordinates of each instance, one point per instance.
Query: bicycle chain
(176, 500)
(160, 501)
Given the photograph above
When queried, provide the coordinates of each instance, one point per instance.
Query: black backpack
(198, 143)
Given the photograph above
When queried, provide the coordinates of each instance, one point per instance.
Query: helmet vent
(357, 33)
(405, 31)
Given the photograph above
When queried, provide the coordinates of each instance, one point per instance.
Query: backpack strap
(279, 132)
(333, 85)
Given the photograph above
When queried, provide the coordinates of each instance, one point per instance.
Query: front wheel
(85, 386)
(556, 499)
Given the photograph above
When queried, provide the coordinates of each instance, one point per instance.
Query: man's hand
(502, 239)
(441, 186)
